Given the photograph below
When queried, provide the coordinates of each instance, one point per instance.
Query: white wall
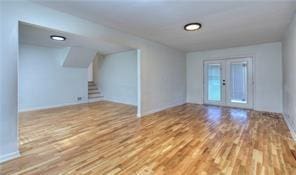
(267, 74)
(44, 83)
(78, 57)
(8, 88)
(117, 77)
(289, 77)
(96, 64)
(90, 72)
(163, 69)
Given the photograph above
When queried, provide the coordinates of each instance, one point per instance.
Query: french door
(229, 82)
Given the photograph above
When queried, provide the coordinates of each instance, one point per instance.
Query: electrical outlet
(79, 98)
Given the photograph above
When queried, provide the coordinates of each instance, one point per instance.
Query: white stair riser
(94, 96)
(95, 100)
(92, 88)
(93, 91)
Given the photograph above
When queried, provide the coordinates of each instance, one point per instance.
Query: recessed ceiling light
(192, 26)
(57, 38)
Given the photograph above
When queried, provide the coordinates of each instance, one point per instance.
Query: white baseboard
(291, 126)
(118, 101)
(52, 106)
(9, 156)
(161, 108)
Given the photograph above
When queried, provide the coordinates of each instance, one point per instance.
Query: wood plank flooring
(108, 138)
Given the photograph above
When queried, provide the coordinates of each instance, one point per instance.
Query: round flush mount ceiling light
(192, 26)
(58, 38)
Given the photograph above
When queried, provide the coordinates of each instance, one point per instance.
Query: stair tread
(93, 91)
(95, 100)
(90, 93)
(95, 97)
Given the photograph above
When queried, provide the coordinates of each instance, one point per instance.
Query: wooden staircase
(93, 92)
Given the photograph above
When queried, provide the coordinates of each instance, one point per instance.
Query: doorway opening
(114, 77)
(56, 73)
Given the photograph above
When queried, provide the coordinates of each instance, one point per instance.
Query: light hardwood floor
(107, 138)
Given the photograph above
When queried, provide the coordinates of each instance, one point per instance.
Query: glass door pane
(214, 82)
(239, 82)
(229, 82)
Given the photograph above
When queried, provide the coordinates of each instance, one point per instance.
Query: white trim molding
(52, 106)
(162, 108)
(9, 156)
(291, 125)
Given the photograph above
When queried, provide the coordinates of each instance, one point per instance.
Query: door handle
(223, 83)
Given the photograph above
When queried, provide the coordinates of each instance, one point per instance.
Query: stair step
(92, 85)
(93, 91)
(92, 88)
(94, 100)
(94, 96)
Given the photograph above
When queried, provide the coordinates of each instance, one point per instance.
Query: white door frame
(252, 81)
(139, 83)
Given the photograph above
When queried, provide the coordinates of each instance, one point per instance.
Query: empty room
(158, 87)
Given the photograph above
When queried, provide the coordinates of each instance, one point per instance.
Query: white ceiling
(225, 23)
(36, 35)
